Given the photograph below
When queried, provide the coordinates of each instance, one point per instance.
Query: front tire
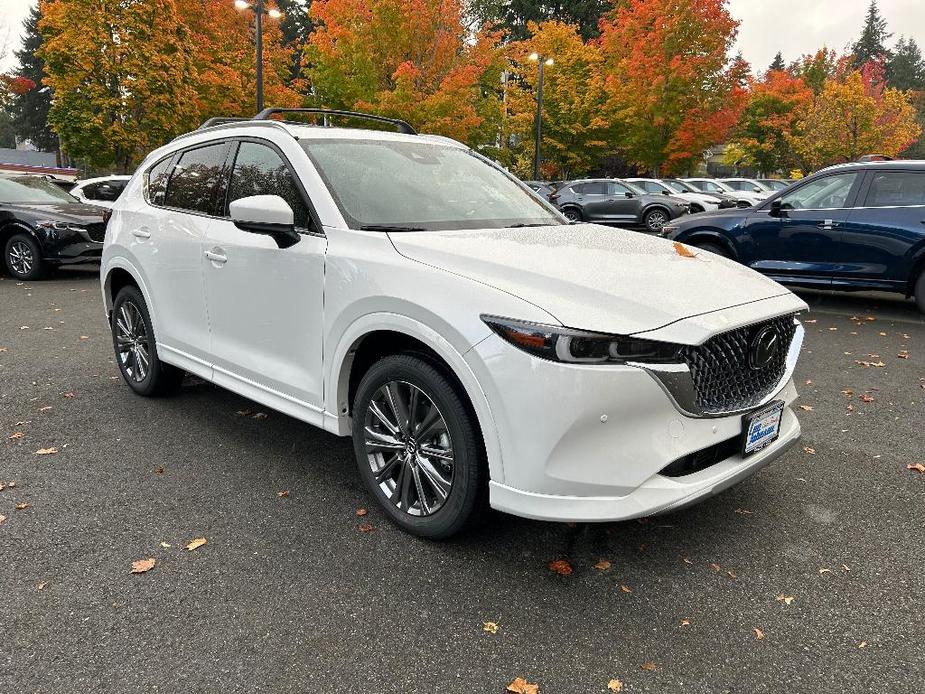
(136, 348)
(655, 219)
(23, 257)
(418, 447)
(920, 292)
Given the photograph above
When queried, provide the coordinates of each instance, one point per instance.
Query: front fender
(337, 380)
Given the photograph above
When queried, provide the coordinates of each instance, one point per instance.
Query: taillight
(553, 197)
(107, 213)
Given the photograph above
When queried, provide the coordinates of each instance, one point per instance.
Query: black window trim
(318, 230)
(859, 185)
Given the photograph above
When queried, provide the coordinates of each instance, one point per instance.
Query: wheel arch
(121, 273)
(376, 335)
(708, 235)
(916, 268)
(10, 227)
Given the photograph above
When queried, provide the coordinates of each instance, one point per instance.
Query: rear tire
(136, 348)
(712, 248)
(573, 214)
(418, 447)
(920, 292)
(23, 258)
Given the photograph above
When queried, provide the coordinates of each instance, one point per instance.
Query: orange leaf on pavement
(683, 250)
(198, 542)
(142, 566)
(560, 566)
(521, 686)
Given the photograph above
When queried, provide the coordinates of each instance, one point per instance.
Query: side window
(595, 188)
(108, 191)
(896, 189)
(89, 191)
(736, 185)
(194, 178)
(578, 189)
(618, 189)
(259, 170)
(830, 192)
(156, 181)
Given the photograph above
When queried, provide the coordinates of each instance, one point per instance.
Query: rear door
(885, 231)
(803, 244)
(595, 201)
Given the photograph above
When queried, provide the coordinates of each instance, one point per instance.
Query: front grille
(97, 231)
(723, 377)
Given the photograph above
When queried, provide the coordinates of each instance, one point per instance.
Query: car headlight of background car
(579, 347)
(668, 229)
(52, 229)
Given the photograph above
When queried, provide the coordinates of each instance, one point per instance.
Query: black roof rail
(221, 120)
(403, 126)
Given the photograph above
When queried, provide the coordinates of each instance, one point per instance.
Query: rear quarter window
(896, 189)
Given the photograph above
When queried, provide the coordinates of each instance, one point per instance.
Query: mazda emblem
(763, 349)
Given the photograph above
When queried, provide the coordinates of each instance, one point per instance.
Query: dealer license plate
(761, 428)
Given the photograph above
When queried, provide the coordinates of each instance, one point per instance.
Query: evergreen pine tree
(30, 110)
(513, 15)
(778, 63)
(906, 69)
(871, 45)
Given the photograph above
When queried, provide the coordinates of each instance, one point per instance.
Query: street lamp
(542, 60)
(259, 11)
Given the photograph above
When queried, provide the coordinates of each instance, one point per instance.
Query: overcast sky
(793, 27)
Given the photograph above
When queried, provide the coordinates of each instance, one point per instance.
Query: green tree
(871, 44)
(30, 109)
(121, 74)
(514, 16)
(906, 69)
(778, 64)
(296, 26)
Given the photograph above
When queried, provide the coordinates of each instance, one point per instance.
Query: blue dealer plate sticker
(762, 428)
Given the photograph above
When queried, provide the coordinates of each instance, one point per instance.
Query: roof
(895, 165)
(28, 157)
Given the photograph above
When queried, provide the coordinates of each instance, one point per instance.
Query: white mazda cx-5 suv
(403, 290)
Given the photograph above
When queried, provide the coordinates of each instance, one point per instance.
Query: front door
(803, 244)
(265, 303)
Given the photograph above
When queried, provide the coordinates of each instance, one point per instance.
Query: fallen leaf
(4, 349)
(166, 545)
(560, 566)
(69, 394)
(809, 382)
(867, 398)
(759, 635)
(602, 565)
(625, 589)
(869, 318)
(11, 484)
(490, 627)
(22, 506)
(84, 337)
(16, 435)
(2, 519)
(648, 666)
(365, 528)
(683, 250)
(46, 451)
(362, 512)
(903, 355)
(24, 327)
(731, 574)
(142, 566)
(825, 571)
(198, 542)
(806, 408)
(41, 586)
(687, 561)
(875, 364)
(744, 512)
(716, 567)
(159, 470)
(45, 408)
(684, 623)
(786, 599)
(882, 334)
(809, 450)
(283, 493)
(918, 467)
(811, 320)
(863, 644)
(848, 392)
(245, 413)
(833, 329)
(521, 686)
(615, 685)
(845, 567)
(260, 415)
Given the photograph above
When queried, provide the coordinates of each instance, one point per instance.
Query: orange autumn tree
(575, 131)
(855, 114)
(408, 59)
(223, 54)
(762, 135)
(668, 79)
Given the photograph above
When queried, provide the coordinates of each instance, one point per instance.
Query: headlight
(668, 229)
(48, 225)
(579, 347)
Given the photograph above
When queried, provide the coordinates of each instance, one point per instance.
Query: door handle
(828, 225)
(217, 258)
(141, 233)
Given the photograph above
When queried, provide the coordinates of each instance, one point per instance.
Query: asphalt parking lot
(808, 577)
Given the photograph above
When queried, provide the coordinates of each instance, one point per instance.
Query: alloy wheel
(409, 449)
(655, 220)
(132, 342)
(21, 258)
(572, 215)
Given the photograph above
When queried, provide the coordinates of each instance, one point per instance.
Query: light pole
(542, 60)
(259, 11)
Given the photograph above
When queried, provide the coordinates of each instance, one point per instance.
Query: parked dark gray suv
(612, 201)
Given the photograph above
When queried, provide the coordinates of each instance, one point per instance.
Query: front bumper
(587, 443)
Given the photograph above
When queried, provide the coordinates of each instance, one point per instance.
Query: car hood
(592, 277)
(74, 212)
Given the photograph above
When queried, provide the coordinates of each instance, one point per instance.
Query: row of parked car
(652, 202)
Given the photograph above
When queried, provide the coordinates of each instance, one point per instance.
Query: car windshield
(422, 186)
(712, 186)
(681, 187)
(31, 189)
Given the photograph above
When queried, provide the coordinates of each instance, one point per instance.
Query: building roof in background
(33, 162)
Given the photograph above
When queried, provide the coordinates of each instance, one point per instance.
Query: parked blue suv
(853, 227)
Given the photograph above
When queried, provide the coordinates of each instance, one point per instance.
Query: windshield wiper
(524, 226)
(389, 227)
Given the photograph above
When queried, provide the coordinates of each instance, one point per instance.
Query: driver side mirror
(629, 194)
(265, 214)
(777, 208)
(665, 192)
